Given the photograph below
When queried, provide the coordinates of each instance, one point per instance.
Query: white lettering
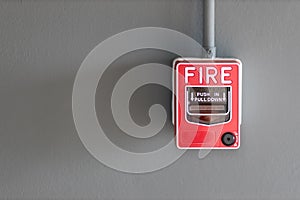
(211, 76)
(200, 75)
(187, 74)
(223, 75)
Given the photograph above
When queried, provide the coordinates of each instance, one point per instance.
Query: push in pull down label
(208, 105)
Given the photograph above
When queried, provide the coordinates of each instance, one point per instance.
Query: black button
(228, 139)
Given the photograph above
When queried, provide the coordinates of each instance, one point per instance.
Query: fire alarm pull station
(207, 95)
(207, 103)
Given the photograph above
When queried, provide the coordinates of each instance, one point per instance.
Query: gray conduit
(208, 44)
(209, 28)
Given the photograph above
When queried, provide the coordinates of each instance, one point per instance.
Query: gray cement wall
(42, 44)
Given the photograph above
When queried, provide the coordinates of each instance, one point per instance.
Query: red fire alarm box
(207, 103)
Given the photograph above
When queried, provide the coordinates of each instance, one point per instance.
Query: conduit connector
(209, 28)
